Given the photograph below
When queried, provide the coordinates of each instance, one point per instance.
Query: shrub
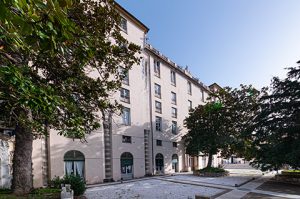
(5, 191)
(291, 172)
(212, 170)
(56, 182)
(76, 182)
(46, 190)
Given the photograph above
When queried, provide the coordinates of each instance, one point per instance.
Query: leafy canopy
(59, 60)
(276, 141)
(223, 124)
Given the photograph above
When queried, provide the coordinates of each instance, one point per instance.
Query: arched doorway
(126, 166)
(74, 163)
(175, 162)
(159, 163)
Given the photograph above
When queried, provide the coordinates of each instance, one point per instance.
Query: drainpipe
(151, 114)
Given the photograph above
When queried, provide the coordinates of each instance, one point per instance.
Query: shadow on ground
(260, 196)
(280, 187)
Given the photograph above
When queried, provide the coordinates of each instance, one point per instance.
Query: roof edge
(133, 18)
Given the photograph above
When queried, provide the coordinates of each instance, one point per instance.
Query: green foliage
(5, 191)
(42, 193)
(291, 172)
(212, 170)
(76, 182)
(224, 124)
(46, 190)
(48, 51)
(56, 182)
(206, 133)
(59, 63)
(276, 141)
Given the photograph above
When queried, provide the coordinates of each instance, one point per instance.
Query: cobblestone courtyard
(242, 183)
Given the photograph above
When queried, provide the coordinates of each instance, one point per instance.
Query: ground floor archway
(126, 166)
(175, 163)
(159, 163)
(74, 163)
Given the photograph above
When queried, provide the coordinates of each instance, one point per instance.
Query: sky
(230, 42)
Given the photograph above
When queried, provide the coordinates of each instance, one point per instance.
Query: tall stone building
(146, 138)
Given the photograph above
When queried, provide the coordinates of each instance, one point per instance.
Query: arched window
(74, 163)
(175, 162)
(126, 166)
(159, 163)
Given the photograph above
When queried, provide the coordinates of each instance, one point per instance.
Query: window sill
(125, 100)
(124, 31)
(157, 75)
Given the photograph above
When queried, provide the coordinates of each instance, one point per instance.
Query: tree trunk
(22, 161)
(209, 163)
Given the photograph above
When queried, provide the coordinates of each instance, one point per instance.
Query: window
(157, 90)
(125, 95)
(158, 143)
(190, 105)
(189, 84)
(174, 127)
(126, 116)
(126, 139)
(175, 144)
(158, 123)
(156, 68)
(74, 163)
(157, 107)
(202, 95)
(123, 24)
(173, 78)
(174, 112)
(173, 98)
(124, 75)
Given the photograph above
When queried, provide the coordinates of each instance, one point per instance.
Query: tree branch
(9, 57)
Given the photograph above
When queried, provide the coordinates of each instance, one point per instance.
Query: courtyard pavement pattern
(245, 183)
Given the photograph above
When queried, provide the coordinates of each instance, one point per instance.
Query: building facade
(146, 138)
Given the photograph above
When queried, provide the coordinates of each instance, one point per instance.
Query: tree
(223, 124)
(206, 133)
(59, 63)
(243, 105)
(276, 140)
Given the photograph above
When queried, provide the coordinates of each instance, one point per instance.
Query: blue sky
(224, 41)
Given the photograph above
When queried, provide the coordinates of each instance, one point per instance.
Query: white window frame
(126, 119)
(156, 68)
(173, 78)
(158, 107)
(158, 123)
(123, 24)
(174, 112)
(190, 105)
(173, 98)
(189, 85)
(159, 141)
(157, 90)
(126, 139)
(174, 127)
(125, 95)
(125, 74)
